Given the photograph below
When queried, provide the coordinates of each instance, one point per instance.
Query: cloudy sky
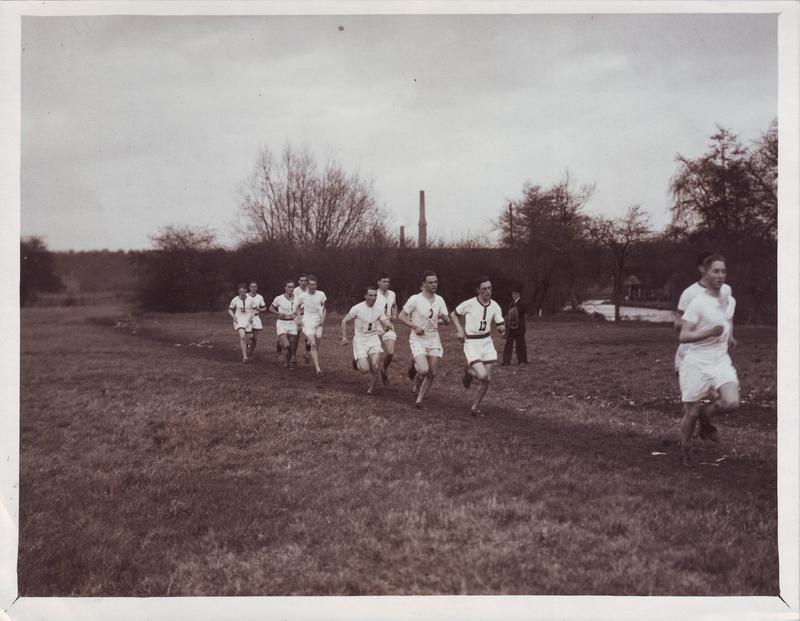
(133, 123)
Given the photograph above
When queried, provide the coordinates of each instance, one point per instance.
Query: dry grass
(153, 463)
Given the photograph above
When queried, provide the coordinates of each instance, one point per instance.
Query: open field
(154, 463)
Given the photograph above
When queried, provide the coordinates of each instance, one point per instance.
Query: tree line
(296, 216)
(723, 201)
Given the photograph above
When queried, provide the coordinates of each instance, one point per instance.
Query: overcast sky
(133, 123)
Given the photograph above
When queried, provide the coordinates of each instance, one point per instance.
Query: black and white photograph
(319, 303)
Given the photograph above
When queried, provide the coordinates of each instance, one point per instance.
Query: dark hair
(383, 275)
(311, 277)
(302, 276)
(427, 273)
(253, 282)
(242, 285)
(288, 282)
(369, 288)
(482, 280)
(711, 258)
(701, 258)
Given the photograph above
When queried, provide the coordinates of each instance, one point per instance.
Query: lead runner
(706, 368)
(478, 313)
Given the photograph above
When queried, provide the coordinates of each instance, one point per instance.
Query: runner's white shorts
(480, 350)
(243, 323)
(365, 346)
(698, 378)
(427, 345)
(257, 323)
(312, 326)
(285, 326)
(389, 335)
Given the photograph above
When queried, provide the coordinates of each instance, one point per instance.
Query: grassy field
(154, 463)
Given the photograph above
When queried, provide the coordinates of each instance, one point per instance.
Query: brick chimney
(423, 225)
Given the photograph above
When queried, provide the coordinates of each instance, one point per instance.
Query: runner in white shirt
(387, 301)
(285, 306)
(706, 369)
(478, 313)
(707, 430)
(257, 305)
(367, 349)
(422, 314)
(687, 296)
(300, 290)
(312, 308)
(241, 313)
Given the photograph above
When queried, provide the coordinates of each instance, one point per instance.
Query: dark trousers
(515, 337)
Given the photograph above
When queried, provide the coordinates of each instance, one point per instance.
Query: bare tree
(290, 199)
(619, 238)
(173, 238)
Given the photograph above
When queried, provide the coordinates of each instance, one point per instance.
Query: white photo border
(434, 607)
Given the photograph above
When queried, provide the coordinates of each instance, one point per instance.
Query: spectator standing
(515, 330)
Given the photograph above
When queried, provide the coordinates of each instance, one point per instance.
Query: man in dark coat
(515, 329)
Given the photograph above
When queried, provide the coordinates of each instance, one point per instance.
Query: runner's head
(253, 288)
(242, 289)
(288, 288)
(701, 260)
(370, 295)
(383, 281)
(483, 287)
(715, 271)
(430, 282)
(312, 283)
(302, 281)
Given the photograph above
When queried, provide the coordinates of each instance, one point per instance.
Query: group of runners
(301, 311)
(708, 382)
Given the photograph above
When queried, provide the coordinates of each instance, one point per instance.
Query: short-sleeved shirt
(298, 291)
(241, 307)
(385, 302)
(312, 303)
(367, 318)
(256, 302)
(244, 311)
(478, 316)
(691, 292)
(284, 305)
(425, 313)
(707, 311)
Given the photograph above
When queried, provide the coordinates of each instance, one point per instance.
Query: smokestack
(402, 236)
(423, 225)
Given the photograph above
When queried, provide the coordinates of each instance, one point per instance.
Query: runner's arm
(691, 334)
(386, 323)
(678, 323)
(459, 329)
(348, 317)
(405, 319)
